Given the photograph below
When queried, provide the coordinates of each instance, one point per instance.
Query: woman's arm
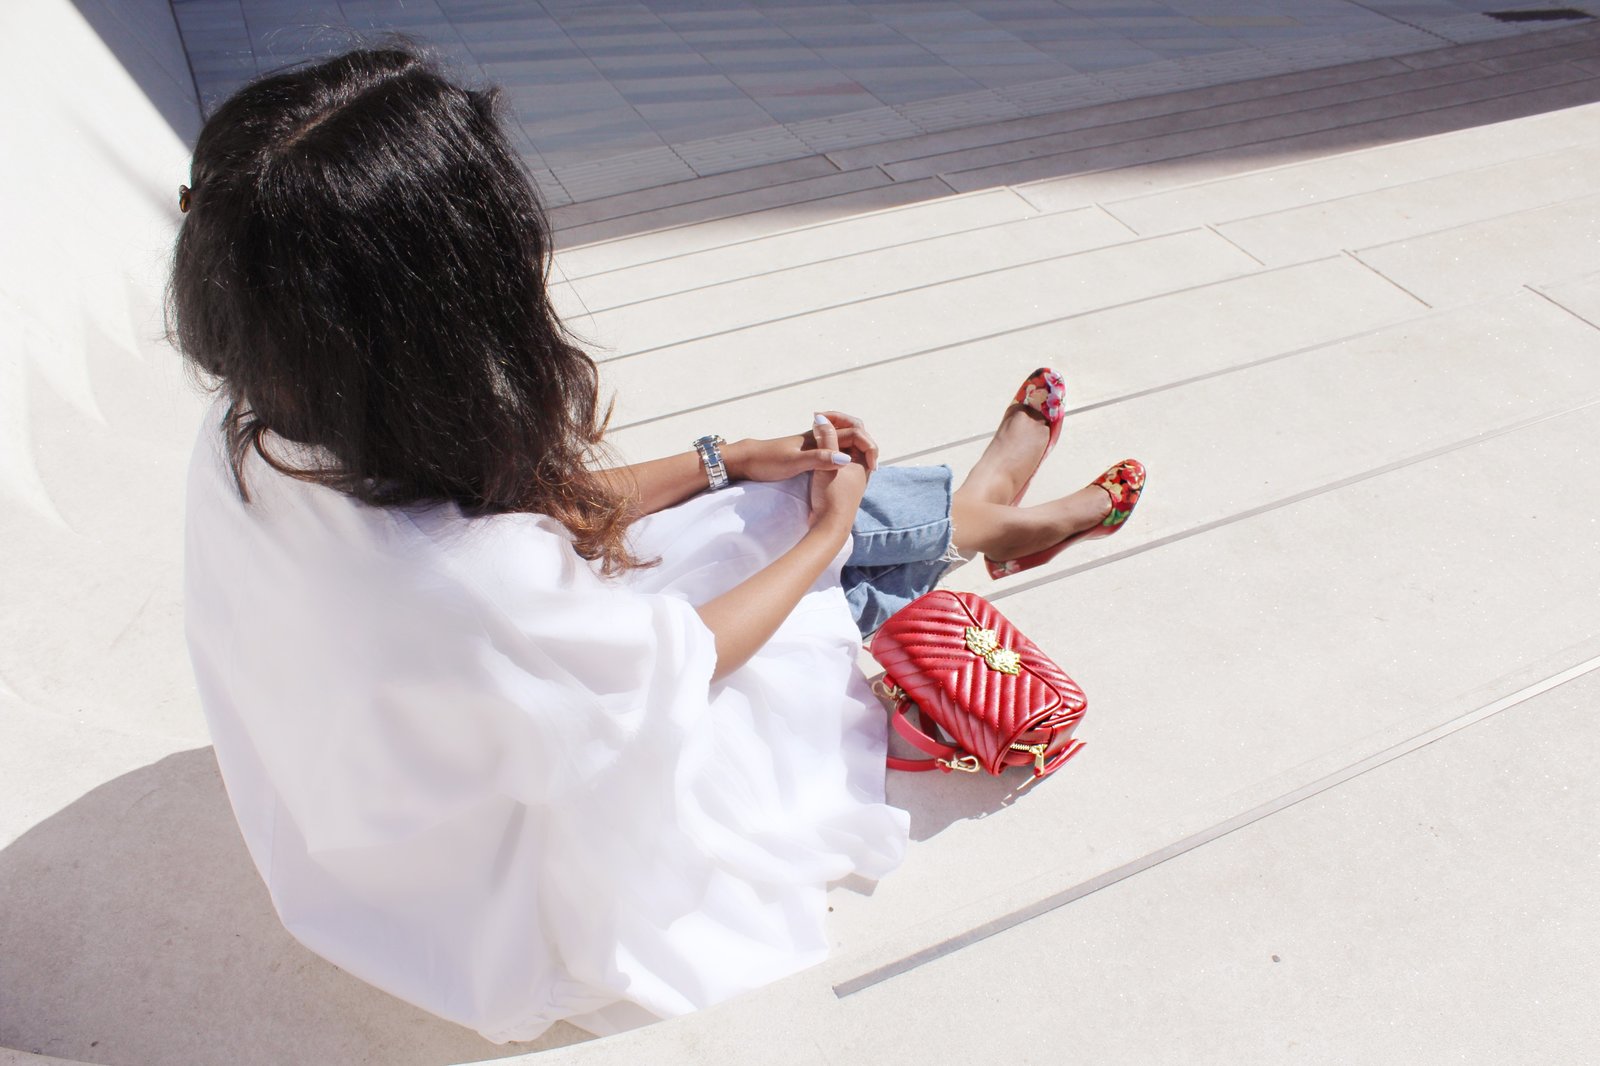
(661, 483)
(745, 617)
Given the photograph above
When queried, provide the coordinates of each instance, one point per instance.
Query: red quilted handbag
(971, 675)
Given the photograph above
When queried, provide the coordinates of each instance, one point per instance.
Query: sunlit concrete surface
(1343, 666)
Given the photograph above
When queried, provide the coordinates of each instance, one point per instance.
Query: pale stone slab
(1588, 49)
(50, 759)
(863, 233)
(857, 127)
(963, 109)
(739, 151)
(622, 175)
(137, 930)
(618, 252)
(1530, 42)
(1580, 296)
(1230, 667)
(682, 192)
(1099, 114)
(783, 194)
(1331, 412)
(1245, 114)
(1384, 920)
(775, 354)
(1487, 259)
(1228, 654)
(1141, 177)
(9, 1057)
(811, 288)
(1258, 131)
(1331, 177)
(1106, 356)
(93, 622)
(1417, 208)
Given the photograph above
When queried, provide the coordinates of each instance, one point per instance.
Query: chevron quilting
(924, 651)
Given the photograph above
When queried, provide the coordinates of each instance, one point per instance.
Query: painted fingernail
(841, 459)
(822, 420)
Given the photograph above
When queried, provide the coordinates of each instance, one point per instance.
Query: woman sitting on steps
(510, 735)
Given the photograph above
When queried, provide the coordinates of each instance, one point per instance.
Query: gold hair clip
(183, 198)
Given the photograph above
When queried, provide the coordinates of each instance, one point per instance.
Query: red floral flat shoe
(1045, 392)
(1123, 483)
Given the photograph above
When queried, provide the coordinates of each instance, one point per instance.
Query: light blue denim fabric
(901, 542)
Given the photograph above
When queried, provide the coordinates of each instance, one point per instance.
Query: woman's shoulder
(332, 537)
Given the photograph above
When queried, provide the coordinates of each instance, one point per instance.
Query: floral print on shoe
(1123, 483)
(1045, 392)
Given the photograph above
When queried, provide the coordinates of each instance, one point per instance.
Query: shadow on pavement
(134, 929)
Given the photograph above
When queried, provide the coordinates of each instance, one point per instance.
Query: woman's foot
(1120, 487)
(1017, 532)
(1011, 457)
(1028, 431)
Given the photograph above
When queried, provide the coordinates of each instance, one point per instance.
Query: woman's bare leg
(986, 523)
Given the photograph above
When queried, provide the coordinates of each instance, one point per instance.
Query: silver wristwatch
(710, 449)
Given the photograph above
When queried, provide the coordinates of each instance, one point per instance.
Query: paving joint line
(711, 197)
(997, 335)
(1203, 108)
(1020, 189)
(1322, 131)
(1291, 500)
(897, 292)
(1593, 198)
(1106, 125)
(1240, 146)
(1229, 240)
(766, 236)
(1560, 306)
(1473, 171)
(1403, 22)
(980, 227)
(1139, 394)
(1226, 123)
(1370, 149)
(1354, 257)
(1295, 796)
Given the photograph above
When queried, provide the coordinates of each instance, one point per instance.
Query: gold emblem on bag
(985, 644)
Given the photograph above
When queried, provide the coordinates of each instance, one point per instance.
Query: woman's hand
(745, 617)
(784, 457)
(836, 491)
(853, 439)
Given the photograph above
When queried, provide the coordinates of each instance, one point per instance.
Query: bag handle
(946, 757)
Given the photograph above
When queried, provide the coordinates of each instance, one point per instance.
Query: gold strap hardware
(1037, 751)
(967, 764)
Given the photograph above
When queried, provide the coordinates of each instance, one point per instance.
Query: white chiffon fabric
(480, 777)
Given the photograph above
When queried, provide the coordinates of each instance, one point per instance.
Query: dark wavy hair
(362, 269)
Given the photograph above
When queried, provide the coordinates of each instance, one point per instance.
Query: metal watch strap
(710, 449)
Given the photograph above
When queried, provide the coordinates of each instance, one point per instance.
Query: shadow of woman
(134, 929)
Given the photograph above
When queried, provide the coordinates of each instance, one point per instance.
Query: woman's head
(362, 268)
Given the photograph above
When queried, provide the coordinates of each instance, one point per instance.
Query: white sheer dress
(480, 777)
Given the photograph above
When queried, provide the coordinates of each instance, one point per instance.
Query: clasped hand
(836, 486)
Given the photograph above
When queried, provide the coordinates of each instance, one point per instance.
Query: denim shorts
(901, 542)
